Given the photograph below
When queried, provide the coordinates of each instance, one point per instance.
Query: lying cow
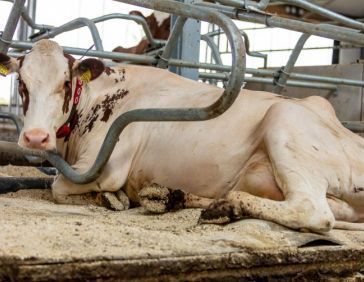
(159, 24)
(286, 160)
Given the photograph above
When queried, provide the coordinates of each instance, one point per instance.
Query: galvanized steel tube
(76, 23)
(293, 83)
(286, 71)
(328, 31)
(11, 24)
(326, 13)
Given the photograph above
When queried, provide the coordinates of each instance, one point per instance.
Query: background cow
(159, 24)
(270, 157)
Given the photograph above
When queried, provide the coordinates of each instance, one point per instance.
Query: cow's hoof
(219, 212)
(159, 199)
(112, 201)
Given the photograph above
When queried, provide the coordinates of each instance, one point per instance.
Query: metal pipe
(328, 31)
(185, 114)
(94, 53)
(215, 51)
(76, 23)
(11, 25)
(246, 4)
(17, 121)
(293, 83)
(29, 20)
(283, 74)
(247, 45)
(326, 13)
(175, 62)
(135, 18)
(13, 184)
(355, 126)
(224, 68)
(252, 53)
(172, 41)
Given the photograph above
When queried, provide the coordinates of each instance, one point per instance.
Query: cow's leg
(108, 185)
(159, 199)
(302, 214)
(299, 170)
(66, 192)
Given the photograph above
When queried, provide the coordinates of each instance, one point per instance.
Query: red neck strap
(66, 129)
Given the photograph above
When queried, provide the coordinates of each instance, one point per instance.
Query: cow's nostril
(45, 139)
(26, 138)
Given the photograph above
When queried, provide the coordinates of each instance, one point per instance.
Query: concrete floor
(42, 241)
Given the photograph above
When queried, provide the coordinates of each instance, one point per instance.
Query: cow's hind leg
(298, 162)
(159, 199)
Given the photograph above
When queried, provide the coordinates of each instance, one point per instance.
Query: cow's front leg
(66, 192)
(159, 199)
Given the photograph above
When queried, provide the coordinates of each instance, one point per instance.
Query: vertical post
(188, 46)
(11, 24)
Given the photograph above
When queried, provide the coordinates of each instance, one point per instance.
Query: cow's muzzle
(36, 139)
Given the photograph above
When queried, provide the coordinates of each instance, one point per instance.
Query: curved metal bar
(285, 72)
(247, 45)
(214, 48)
(135, 18)
(29, 20)
(215, 51)
(186, 114)
(11, 25)
(76, 23)
(246, 4)
(326, 13)
(18, 122)
(328, 31)
(252, 53)
(172, 40)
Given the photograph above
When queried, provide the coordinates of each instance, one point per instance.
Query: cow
(268, 157)
(159, 24)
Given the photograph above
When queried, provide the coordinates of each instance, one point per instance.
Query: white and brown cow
(270, 157)
(159, 24)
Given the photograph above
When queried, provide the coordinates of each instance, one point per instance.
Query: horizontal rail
(325, 12)
(323, 30)
(13, 184)
(293, 83)
(175, 62)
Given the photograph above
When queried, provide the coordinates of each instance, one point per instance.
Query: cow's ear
(89, 69)
(8, 64)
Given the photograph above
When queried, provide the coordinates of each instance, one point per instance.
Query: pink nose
(36, 138)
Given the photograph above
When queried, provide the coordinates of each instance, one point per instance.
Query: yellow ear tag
(86, 76)
(4, 70)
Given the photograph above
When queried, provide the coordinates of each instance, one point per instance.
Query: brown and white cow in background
(286, 160)
(159, 24)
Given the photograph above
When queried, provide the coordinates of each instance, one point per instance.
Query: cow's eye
(67, 86)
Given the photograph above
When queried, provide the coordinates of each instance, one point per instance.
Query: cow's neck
(90, 111)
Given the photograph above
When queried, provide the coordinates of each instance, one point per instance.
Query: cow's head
(159, 23)
(46, 77)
